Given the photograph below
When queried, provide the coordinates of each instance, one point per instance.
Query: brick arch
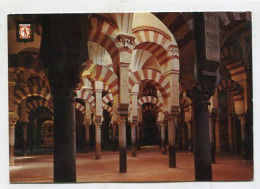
(157, 44)
(232, 86)
(107, 98)
(23, 93)
(86, 96)
(151, 100)
(231, 59)
(80, 107)
(107, 108)
(183, 34)
(155, 78)
(104, 34)
(225, 18)
(34, 104)
(105, 75)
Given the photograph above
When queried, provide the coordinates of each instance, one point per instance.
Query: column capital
(122, 119)
(12, 121)
(200, 97)
(125, 42)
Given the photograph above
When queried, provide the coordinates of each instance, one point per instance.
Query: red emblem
(25, 31)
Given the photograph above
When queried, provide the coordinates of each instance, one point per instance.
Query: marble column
(63, 53)
(64, 136)
(12, 123)
(243, 134)
(87, 125)
(202, 149)
(234, 132)
(138, 137)
(159, 135)
(162, 125)
(24, 147)
(98, 139)
(133, 139)
(189, 136)
(172, 121)
(212, 134)
(114, 135)
(122, 144)
(230, 132)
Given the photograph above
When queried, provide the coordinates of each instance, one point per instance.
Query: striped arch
(107, 108)
(156, 43)
(104, 34)
(226, 18)
(22, 94)
(151, 100)
(34, 104)
(87, 96)
(159, 81)
(150, 107)
(183, 34)
(231, 58)
(233, 87)
(107, 98)
(80, 107)
(103, 74)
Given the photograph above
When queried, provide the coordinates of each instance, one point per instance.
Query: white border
(81, 6)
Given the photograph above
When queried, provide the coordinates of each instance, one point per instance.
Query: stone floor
(149, 165)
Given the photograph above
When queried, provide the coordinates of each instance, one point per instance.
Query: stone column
(63, 53)
(212, 134)
(133, 138)
(172, 121)
(230, 132)
(163, 138)
(217, 132)
(202, 150)
(24, 148)
(122, 144)
(243, 134)
(114, 131)
(234, 132)
(138, 137)
(98, 139)
(12, 123)
(64, 135)
(183, 137)
(87, 125)
(189, 136)
(159, 135)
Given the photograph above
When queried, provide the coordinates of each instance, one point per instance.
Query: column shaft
(230, 132)
(243, 135)
(133, 140)
(163, 138)
(24, 148)
(11, 144)
(138, 137)
(212, 138)
(64, 136)
(202, 150)
(189, 137)
(122, 145)
(171, 141)
(98, 141)
(87, 137)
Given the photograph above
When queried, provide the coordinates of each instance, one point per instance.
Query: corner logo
(24, 32)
